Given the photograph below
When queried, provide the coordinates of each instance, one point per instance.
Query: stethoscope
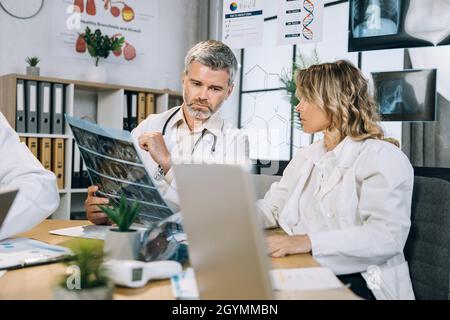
(204, 132)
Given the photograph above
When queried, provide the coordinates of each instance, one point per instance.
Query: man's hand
(153, 142)
(93, 212)
(282, 245)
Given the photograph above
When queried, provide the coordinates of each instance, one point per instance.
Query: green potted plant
(288, 80)
(85, 278)
(100, 47)
(32, 68)
(122, 242)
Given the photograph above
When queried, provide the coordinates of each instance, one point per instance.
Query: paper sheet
(2, 272)
(300, 279)
(89, 231)
(184, 285)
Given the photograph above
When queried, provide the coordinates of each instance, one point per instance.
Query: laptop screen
(7, 196)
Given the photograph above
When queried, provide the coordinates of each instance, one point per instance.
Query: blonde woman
(347, 198)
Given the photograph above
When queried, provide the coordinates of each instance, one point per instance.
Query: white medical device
(135, 274)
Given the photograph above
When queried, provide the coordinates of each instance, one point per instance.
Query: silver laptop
(226, 243)
(7, 196)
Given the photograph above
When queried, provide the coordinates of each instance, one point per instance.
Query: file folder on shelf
(126, 111)
(31, 106)
(57, 108)
(149, 104)
(133, 113)
(85, 181)
(141, 109)
(76, 157)
(45, 153)
(21, 117)
(58, 161)
(44, 107)
(32, 144)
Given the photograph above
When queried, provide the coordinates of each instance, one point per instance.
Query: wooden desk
(38, 282)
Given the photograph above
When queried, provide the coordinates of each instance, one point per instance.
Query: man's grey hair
(215, 55)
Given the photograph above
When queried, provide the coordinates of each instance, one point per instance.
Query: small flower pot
(99, 293)
(97, 74)
(33, 71)
(122, 245)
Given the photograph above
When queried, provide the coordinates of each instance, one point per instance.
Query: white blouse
(354, 203)
(312, 212)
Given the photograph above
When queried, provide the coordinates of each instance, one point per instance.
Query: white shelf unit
(104, 100)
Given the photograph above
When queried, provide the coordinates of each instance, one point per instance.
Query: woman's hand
(282, 245)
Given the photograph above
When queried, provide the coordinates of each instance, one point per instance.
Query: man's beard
(200, 114)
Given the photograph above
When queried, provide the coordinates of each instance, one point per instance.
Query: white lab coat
(231, 147)
(38, 193)
(369, 200)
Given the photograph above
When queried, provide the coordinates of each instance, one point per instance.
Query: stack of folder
(137, 106)
(80, 177)
(50, 152)
(39, 107)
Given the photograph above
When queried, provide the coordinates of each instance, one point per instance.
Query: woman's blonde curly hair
(341, 90)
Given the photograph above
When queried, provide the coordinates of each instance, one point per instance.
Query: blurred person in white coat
(38, 192)
(346, 199)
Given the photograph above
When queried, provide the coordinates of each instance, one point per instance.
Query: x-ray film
(114, 165)
(408, 95)
(375, 18)
(389, 24)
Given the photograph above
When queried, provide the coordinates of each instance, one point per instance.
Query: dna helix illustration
(308, 5)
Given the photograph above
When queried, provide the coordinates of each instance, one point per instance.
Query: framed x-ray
(408, 95)
(389, 24)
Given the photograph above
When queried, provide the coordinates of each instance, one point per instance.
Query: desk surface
(38, 282)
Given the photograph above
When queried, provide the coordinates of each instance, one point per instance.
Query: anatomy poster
(243, 23)
(135, 20)
(300, 21)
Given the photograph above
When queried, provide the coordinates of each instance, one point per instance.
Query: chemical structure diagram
(266, 115)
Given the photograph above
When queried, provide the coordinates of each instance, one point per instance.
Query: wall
(178, 31)
(230, 108)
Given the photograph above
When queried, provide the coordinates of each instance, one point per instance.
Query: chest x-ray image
(408, 95)
(375, 17)
(380, 24)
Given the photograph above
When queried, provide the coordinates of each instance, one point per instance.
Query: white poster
(300, 21)
(135, 20)
(243, 23)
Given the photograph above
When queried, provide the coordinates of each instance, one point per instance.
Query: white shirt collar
(345, 152)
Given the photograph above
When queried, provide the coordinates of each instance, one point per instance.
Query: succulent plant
(88, 258)
(122, 215)
(33, 61)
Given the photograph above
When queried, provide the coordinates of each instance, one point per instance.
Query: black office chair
(441, 173)
(427, 249)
